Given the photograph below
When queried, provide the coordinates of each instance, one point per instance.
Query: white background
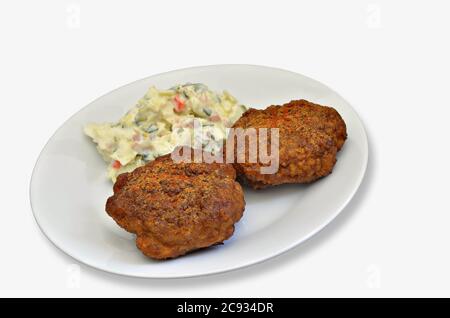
(389, 59)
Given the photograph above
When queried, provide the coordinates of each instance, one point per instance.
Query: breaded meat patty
(316, 116)
(174, 208)
(309, 137)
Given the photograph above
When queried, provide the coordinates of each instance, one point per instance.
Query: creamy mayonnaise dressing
(162, 120)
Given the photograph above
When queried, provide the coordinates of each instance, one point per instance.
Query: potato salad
(162, 120)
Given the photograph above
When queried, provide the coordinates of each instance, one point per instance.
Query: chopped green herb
(147, 157)
(152, 128)
(198, 87)
(207, 111)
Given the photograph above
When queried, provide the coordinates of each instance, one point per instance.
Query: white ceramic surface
(69, 186)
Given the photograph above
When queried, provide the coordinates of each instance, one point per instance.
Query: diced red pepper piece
(179, 104)
(116, 164)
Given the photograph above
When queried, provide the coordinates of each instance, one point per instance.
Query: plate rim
(279, 252)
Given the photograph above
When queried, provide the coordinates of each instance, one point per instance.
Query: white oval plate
(69, 185)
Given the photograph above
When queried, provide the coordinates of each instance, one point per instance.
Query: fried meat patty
(309, 137)
(174, 208)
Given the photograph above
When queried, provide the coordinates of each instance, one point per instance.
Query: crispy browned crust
(323, 118)
(174, 208)
(309, 136)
